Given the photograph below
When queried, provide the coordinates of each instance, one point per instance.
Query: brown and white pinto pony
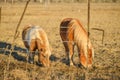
(73, 33)
(34, 37)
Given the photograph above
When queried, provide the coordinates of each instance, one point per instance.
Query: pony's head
(44, 55)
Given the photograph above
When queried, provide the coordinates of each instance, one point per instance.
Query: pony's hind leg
(67, 52)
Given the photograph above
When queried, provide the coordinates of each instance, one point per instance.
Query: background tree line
(64, 1)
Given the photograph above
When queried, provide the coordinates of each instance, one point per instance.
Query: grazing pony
(34, 38)
(73, 33)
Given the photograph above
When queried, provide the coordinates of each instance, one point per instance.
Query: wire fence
(14, 62)
(56, 70)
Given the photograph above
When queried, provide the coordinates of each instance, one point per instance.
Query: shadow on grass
(66, 61)
(6, 48)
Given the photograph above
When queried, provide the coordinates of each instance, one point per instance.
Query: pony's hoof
(31, 62)
(71, 64)
(39, 64)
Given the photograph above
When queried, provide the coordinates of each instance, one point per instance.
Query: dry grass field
(104, 16)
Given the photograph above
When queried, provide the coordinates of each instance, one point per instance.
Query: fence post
(12, 1)
(0, 14)
(16, 31)
(5, 1)
(16, 34)
(88, 25)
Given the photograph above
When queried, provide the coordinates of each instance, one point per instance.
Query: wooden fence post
(0, 14)
(16, 31)
(88, 26)
(5, 1)
(16, 34)
(12, 1)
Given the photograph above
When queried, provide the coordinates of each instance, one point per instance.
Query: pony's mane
(80, 35)
(78, 29)
(79, 25)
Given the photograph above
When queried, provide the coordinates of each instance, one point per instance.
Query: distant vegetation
(64, 1)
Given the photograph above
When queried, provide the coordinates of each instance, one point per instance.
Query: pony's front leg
(31, 57)
(71, 52)
(32, 50)
(83, 57)
(67, 52)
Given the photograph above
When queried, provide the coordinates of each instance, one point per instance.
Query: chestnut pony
(73, 33)
(34, 37)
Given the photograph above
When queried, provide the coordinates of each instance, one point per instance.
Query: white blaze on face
(33, 33)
